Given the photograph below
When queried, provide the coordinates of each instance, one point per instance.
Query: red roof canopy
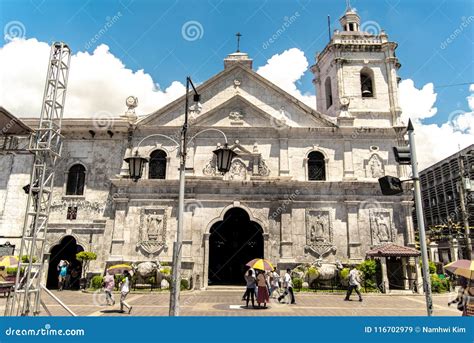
(392, 249)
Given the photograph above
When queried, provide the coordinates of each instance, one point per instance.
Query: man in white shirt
(288, 284)
(124, 290)
(354, 283)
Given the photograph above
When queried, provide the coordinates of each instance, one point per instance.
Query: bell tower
(356, 74)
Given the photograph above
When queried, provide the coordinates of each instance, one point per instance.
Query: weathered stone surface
(336, 219)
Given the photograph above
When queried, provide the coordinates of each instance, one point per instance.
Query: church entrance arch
(65, 250)
(233, 242)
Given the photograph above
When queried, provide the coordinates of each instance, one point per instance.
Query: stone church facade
(305, 178)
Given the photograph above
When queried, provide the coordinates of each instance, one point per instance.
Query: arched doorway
(65, 250)
(232, 243)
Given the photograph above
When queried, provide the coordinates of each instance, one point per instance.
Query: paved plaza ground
(222, 302)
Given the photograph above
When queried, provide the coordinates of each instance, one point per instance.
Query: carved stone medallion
(152, 232)
(319, 233)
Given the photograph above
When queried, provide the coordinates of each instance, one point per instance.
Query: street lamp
(135, 165)
(224, 158)
(136, 162)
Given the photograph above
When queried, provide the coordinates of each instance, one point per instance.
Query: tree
(85, 257)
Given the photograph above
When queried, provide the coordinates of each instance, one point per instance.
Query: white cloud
(98, 82)
(285, 70)
(435, 142)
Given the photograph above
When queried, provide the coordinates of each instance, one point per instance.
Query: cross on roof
(238, 41)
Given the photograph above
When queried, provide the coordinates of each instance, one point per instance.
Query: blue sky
(148, 35)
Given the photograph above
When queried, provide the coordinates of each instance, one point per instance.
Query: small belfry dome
(350, 21)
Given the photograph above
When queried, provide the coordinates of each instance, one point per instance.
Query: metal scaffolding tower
(45, 144)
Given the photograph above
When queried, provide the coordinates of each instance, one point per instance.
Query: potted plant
(85, 257)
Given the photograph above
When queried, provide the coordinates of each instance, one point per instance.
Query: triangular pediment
(239, 97)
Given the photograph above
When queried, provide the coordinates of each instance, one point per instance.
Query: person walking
(62, 267)
(109, 284)
(262, 293)
(459, 299)
(274, 282)
(354, 284)
(288, 284)
(124, 290)
(245, 276)
(250, 290)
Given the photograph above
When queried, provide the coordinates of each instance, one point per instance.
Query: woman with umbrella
(464, 268)
(261, 265)
(124, 284)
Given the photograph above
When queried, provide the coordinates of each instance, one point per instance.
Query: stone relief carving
(211, 167)
(375, 167)
(381, 227)
(263, 169)
(238, 170)
(319, 233)
(84, 205)
(152, 232)
(236, 116)
(248, 162)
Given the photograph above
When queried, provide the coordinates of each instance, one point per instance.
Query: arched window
(157, 165)
(316, 166)
(75, 180)
(367, 83)
(328, 91)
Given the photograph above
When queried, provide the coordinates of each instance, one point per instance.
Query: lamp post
(136, 162)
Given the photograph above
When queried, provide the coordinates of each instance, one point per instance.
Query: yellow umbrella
(261, 264)
(119, 268)
(8, 261)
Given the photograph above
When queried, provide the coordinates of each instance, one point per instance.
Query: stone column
(410, 231)
(205, 272)
(385, 283)
(348, 164)
(266, 245)
(454, 248)
(286, 244)
(284, 163)
(353, 236)
(419, 276)
(434, 252)
(121, 208)
(406, 281)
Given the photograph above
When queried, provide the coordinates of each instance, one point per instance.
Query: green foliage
(26, 259)
(431, 266)
(439, 285)
(84, 256)
(297, 283)
(345, 273)
(184, 284)
(165, 264)
(165, 270)
(151, 280)
(118, 278)
(12, 270)
(369, 269)
(96, 282)
(313, 272)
